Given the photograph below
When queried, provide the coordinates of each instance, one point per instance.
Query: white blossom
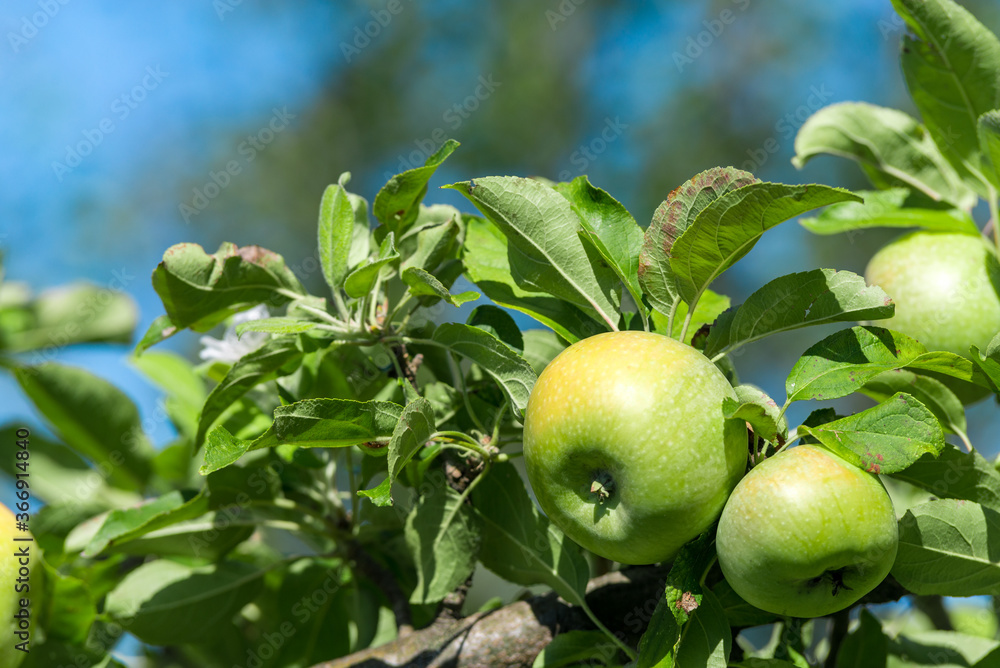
(231, 348)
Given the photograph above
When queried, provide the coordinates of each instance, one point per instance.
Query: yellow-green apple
(806, 534)
(945, 286)
(626, 445)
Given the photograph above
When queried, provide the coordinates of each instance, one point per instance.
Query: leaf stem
(352, 486)
(338, 301)
(687, 319)
(670, 319)
(994, 215)
(456, 374)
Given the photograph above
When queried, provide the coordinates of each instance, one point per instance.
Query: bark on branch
(514, 634)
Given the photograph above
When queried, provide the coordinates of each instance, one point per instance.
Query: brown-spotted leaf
(671, 218)
(199, 290)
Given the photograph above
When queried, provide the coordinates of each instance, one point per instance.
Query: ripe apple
(626, 446)
(9, 597)
(806, 534)
(947, 292)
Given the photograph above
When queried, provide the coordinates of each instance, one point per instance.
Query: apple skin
(640, 413)
(945, 287)
(9, 599)
(806, 534)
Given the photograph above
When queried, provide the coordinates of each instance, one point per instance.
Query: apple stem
(603, 486)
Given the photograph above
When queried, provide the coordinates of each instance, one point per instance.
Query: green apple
(946, 291)
(10, 597)
(806, 534)
(626, 446)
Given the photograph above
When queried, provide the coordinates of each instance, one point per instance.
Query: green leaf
(275, 326)
(66, 609)
(128, 523)
(335, 231)
(314, 603)
(610, 228)
(498, 322)
(989, 363)
(510, 371)
(199, 290)
(485, 257)
(397, 203)
(362, 280)
(885, 208)
(816, 297)
(657, 645)
(739, 612)
(866, 646)
(93, 417)
(709, 308)
(891, 147)
(520, 544)
(380, 495)
(943, 649)
(754, 406)
(989, 144)
(335, 423)
(277, 357)
(948, 547)
(444, 535)
(706, 639)
(931, 392)
(161, 329)
(423, 284)
(689, 623)
(432, 238)
(845, 361)
(952, 67)
(575, 647)
(728, 228)
(166, 603)
(670, 220)
(955, 475)
(222, 449)
(328, 423)
(545, 250)
(885, 438)
(764, 663)
(414, 428)
(77, 313)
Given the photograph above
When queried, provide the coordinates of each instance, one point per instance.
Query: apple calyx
(603, 486)
(835, 578)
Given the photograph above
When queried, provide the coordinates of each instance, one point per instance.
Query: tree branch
(514, 634)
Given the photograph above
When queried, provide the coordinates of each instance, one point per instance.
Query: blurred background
(128, 127)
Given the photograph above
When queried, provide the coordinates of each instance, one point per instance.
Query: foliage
(340, 482)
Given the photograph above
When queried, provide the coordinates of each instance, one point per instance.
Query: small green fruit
(806, 534)
(947, 293)
(626, 446)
